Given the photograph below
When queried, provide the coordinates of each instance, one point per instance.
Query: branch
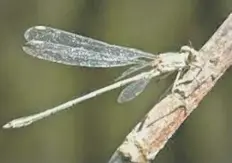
(151, 134)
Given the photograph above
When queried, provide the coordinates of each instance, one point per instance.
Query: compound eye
(185, 49)
(191, 57)
(192, 53)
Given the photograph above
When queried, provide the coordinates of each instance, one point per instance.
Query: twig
(149, 136)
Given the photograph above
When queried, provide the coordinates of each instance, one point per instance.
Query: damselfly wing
(71, 49)
(133, 90)
(63, 47)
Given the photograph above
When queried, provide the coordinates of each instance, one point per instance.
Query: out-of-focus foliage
(91, 131)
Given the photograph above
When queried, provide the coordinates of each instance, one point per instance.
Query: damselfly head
(192, 53)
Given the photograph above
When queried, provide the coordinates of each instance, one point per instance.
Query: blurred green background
(91, 131)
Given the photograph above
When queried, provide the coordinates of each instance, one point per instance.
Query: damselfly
(71, 49)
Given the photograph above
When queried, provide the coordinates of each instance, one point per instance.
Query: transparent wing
(70, 56)
(72, 49)
(133, 69)
(133, 90)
